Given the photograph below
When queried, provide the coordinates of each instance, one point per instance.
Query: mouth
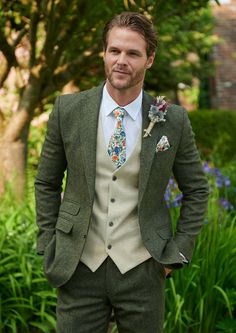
(121, 72)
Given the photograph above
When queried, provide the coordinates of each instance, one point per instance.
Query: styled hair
(135, 22)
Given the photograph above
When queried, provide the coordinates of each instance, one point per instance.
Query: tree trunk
(12, 167)
(13, 141)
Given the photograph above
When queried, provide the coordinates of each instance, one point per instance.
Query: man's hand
(168, 271)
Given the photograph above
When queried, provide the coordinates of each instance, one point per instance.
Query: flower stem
(148, 130)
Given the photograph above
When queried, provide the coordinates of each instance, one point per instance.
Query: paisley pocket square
(163, 144)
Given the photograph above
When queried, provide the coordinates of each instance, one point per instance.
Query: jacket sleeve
(192, 182)
(48, 183)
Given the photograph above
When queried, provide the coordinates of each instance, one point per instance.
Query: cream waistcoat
(114, 228)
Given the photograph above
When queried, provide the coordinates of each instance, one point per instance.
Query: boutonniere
(156, 114)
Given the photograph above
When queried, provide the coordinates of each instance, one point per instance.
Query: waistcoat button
(111, 224)
(112, 200)
(114, 178)
(109, 246)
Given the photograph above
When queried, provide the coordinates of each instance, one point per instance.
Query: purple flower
(227, 181)
(207, 168)
(173, 197)
(226, 204)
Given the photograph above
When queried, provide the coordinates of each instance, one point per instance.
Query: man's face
(126, 59)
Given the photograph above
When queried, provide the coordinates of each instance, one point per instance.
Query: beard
(123, 81)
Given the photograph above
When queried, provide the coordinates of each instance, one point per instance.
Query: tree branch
(20, 120)
(33, 33)
(67, 73)
(7, 50)
(21, 34)
(9, 54)
(50, 31)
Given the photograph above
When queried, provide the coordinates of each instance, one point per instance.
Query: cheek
(109, 61)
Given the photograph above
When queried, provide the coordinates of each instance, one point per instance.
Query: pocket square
(163, 144)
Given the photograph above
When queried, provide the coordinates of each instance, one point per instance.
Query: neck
(124, 96)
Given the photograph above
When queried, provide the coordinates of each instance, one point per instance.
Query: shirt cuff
(184, 259)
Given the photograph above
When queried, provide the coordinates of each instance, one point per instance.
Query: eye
(134, 54)
(114, 51)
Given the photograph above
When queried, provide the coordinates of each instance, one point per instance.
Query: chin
(119, 85)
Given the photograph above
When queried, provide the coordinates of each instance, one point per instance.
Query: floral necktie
(117, 143)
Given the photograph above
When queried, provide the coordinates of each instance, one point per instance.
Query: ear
(150, 60)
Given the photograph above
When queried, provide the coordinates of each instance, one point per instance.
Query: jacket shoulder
(70, 100)
(176, 113)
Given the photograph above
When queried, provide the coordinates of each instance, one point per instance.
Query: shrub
(202, 297)
(27, 303)
(215, 134)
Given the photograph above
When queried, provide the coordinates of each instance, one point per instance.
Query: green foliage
(230, 171)
(202, 298)
(185, 39)
(26, 300)
(215, 134)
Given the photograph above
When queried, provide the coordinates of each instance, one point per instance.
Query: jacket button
(113, 200)
(84, 236)
(111, 224)
(114, 178)
(109, 246)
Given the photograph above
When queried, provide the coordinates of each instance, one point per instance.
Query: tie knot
(119, 113)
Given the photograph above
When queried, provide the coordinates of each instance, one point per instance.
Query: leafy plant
(26, 300)
(201, 298)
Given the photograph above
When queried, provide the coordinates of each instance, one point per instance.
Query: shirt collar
(132, 108)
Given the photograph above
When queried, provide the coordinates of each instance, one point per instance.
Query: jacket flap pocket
(69, 207)
(64, 225)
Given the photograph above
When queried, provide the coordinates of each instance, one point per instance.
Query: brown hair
(136, 22)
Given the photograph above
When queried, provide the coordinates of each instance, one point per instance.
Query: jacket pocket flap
(64, 225)
(69, 207)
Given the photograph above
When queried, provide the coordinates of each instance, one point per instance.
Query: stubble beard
(131, 82)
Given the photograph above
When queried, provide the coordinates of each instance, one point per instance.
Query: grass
(26, 300)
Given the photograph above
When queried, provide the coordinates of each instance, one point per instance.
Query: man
(108, 244)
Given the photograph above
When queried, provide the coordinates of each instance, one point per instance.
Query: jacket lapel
(88, 135)
(148, 146)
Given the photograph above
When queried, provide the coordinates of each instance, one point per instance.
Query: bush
(215, 134)
(202, 297)
(27, 303)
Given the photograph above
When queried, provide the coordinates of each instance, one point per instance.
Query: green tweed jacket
(70, 146)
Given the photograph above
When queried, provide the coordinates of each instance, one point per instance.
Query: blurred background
(52, 47)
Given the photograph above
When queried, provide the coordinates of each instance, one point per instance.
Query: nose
(122, 60)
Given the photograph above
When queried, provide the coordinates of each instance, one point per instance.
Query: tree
(185, 40)
(49, 43)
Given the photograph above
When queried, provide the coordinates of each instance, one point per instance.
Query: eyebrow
(128, 51)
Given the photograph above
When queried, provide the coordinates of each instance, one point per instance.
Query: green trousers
(86, 301)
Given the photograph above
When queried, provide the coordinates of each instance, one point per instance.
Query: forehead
(126, 38)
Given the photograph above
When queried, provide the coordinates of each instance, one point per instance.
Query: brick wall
(223, 85)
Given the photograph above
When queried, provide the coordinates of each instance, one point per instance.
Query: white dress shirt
(132, 119)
